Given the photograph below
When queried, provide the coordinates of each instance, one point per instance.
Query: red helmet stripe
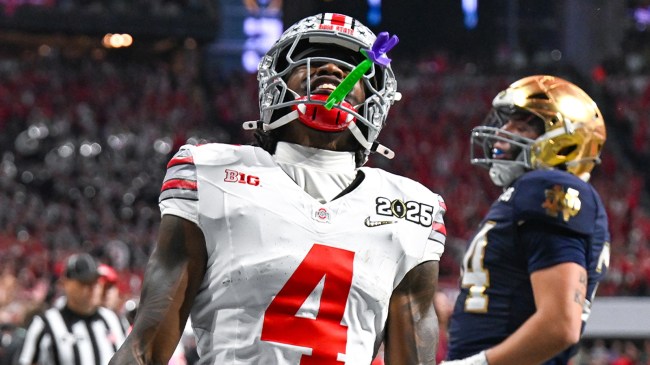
(338, 19)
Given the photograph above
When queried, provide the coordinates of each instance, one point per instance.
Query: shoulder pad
(220, 154)
(556, 198)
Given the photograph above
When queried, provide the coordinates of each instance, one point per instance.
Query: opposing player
(292, 252)
(531, 271)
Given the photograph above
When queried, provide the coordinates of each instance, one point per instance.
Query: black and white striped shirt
(61, 337)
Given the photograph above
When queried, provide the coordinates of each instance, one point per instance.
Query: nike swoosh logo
(370, 223)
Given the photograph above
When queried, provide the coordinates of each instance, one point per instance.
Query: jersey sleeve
(179, 194)
(436, 242)
(548, 247)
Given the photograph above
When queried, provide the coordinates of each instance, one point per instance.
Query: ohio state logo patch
(321, 215)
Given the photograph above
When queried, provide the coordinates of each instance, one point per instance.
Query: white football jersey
(289, 278)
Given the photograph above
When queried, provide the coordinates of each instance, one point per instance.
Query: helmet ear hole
(565, 151)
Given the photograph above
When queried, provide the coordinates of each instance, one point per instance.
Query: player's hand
(478, 359)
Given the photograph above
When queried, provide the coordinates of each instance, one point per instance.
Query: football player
(293, 252)
(530, 273)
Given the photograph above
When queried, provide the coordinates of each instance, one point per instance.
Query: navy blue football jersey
(545, 218)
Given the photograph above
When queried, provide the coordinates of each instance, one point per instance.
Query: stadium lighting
(470, 11)
(111, 40)
(374, 12)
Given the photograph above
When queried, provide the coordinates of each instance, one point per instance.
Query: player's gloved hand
(478, 359)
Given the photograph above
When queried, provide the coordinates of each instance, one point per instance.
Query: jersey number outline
(475, 276)
(325, 334)
(602, 263)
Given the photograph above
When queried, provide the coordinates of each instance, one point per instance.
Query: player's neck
(308, 157)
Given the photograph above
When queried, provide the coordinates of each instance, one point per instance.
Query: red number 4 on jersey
(325, 334)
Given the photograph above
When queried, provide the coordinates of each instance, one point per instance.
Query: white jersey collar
(323, 174)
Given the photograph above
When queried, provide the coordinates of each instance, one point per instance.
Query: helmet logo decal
(338, 22)
(558, 201)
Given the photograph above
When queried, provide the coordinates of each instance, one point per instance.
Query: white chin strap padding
(385, 151)
(374, 147)
(250, 125)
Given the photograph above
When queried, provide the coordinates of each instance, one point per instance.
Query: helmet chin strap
(354, 129)
(374, 147)
(254, 124)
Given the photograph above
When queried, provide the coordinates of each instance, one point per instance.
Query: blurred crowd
(161, 8)
(84, 143)
(614, 352)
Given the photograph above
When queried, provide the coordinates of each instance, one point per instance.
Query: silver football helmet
(302, 44)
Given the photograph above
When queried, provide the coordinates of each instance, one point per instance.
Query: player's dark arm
(172, 279)
(412, 327)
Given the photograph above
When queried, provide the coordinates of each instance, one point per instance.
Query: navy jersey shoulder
(556, 198)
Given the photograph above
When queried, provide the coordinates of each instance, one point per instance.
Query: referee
(76, 330)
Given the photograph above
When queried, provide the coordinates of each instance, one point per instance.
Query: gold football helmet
(573, 130)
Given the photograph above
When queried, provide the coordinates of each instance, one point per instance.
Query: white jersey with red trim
(289, 278)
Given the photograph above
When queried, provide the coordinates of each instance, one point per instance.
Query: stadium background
(96, 95)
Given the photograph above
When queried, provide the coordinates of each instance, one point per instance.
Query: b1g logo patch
(240, 177)
(562, 202)
(411, 211)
